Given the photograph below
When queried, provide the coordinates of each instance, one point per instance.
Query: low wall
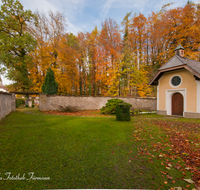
(192, 115)
(161, 112)
(7, 103)
(54, 102)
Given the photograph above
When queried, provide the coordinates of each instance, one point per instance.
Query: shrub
(19, 102)
(110, 107)
(123, 112)
(33, 106)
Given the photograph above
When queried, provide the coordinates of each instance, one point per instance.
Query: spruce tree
(50, 86)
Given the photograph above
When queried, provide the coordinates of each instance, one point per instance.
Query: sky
(84, 15)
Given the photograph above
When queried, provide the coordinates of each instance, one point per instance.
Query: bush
(123, 112)
(110, 107)
(19, 102)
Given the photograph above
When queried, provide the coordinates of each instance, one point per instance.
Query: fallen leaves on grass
(170, 142)
(90, 113)
(183, 139)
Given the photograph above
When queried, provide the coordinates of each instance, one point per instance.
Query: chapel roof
(175, 63)
(178, 61)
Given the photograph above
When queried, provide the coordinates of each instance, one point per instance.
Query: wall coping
(6, 93)
(100, 96)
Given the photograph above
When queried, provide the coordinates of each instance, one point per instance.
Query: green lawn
(87, 152)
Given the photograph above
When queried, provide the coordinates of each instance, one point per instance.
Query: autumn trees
(112, 60)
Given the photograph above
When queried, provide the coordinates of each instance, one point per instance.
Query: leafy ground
(185, 142)
(98, 152)
(91, 113)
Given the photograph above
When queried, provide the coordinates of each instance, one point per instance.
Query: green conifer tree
(50, 86)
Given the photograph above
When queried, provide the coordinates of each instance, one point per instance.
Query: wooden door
(177, 104)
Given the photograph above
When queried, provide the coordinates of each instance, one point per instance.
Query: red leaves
(93, 113)
(163, 172)
(182, 137)
(169, 177)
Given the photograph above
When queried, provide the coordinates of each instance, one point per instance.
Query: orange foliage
(102, 62)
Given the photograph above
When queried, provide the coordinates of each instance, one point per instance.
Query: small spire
(179, 50)
(179, 47)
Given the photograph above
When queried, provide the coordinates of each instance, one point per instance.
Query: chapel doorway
(177, 104)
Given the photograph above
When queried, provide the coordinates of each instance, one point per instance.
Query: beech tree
(16, 42)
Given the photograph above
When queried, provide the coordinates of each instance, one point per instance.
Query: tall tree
(68, 65)
(82, 63)
(109, 51)
(93, 39)
(49, 31)
(127, 60)
(50, 86)
(16, 42)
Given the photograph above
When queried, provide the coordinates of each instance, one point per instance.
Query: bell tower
(179, 50)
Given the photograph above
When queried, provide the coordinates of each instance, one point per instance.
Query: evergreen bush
(110, 107)
(123, 112)
(50, 86)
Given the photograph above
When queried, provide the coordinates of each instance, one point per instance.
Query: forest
(117, 59)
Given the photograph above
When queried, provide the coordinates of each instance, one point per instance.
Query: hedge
(123, 112)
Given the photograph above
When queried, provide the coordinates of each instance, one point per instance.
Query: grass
(85, 152)
(32, 110)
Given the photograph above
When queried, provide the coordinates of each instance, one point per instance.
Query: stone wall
(7, 103)
(54, 102)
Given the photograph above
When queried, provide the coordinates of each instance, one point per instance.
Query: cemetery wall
(7, 103)
(59, 103)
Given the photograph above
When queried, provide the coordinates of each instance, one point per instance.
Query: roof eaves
(193, 71)
(154, 78)
(161, 72)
